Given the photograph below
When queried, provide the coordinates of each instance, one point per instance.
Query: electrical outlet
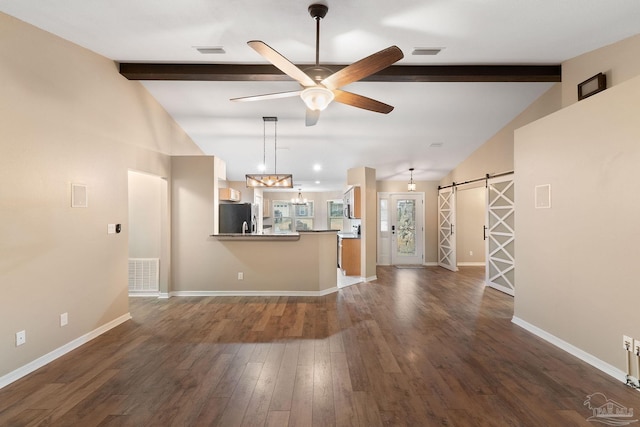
(240, 276)
(636, 347)
(470, 253)
(64, 319)
(111, 229)
(21, 338)
(627, 343)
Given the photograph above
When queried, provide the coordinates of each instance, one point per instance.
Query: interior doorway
(401, 228)
(149, 234)
(498, 231)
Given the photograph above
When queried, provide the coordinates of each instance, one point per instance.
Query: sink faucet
(245, 227)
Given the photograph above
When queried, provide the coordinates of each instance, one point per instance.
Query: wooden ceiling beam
(394, 73)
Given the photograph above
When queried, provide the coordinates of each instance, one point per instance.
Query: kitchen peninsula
(203, 264)
(301, 263)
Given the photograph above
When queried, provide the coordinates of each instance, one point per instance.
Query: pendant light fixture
(270, 179)
(412, 185)
(299, 200)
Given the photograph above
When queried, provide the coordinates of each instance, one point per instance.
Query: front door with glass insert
(407, 229)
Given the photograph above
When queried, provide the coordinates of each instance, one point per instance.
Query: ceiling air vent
(426, 50)
(210, 50)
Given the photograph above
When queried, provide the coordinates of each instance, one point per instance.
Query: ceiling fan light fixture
(317, 98)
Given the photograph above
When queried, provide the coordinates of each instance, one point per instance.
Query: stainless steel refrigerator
(233, 216)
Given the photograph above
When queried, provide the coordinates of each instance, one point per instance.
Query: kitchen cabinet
(352, 203)
(229, 195)
(350, 256)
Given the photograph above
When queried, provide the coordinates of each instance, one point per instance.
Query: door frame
(499, 234)
(447, 228)
(385, 241)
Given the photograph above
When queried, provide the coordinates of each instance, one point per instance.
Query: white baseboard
(144, 294)
(471, 264)
(254, 293)
(370, 278)
(60, 351)
(430, 264)
(573, 350)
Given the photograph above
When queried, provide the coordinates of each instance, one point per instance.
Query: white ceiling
(459, 116)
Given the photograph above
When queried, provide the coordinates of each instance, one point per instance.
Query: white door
(500, 234)
(407, 228)
(447, 228)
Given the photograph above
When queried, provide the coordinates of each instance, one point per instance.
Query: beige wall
(430, 190)
(619, 61)
(365, 178)
(470, 206)
(577, 262)
(145, 204)
(67, 117)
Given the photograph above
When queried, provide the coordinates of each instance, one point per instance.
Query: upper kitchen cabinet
(352, 207)
(229, 195)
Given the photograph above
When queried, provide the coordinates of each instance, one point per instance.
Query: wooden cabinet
(350, 259)
(352, 200)
(266, 208)
(229, 195)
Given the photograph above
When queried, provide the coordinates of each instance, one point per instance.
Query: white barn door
(500, 234)
(446, 228)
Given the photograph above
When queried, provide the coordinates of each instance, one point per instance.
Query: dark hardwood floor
(417, 347)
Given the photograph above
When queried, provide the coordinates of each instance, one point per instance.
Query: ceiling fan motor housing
(318, 11)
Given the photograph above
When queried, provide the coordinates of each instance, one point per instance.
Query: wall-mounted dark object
(591, 86)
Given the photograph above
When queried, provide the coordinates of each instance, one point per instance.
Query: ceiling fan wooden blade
(266, 96)
(360, 101)
(311, 118)
(282, 63)
(363, 68)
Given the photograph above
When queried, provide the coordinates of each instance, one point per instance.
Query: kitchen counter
(268, 236)
(281, 237)
(348, 235)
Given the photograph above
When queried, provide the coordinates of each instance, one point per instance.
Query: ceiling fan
(319, 84)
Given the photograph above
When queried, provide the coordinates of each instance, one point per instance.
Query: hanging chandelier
(299, 200)
(269, 179)
(412, 185)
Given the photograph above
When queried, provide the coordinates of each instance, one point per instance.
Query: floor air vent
(144, 275)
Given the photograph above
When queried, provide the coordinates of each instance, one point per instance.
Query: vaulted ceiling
(437, 121)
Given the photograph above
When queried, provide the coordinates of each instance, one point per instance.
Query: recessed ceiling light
(317, 167)
(426, 50)
(210, 50)
(436, 145)
(317, 182)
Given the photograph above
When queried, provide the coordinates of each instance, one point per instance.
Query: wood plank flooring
(417, 347)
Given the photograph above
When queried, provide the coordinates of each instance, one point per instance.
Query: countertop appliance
(234, 216)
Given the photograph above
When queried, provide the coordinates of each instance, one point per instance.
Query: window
(335, 213)
(289, 217)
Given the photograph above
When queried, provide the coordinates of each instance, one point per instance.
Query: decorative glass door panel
(407, 229)
(446, 228)
(500, 234)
